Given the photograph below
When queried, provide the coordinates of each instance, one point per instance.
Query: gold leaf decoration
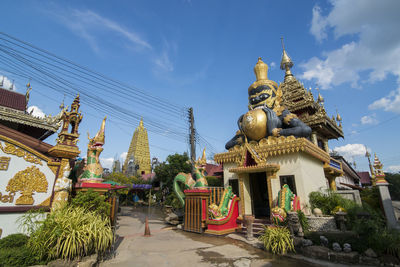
(27, 182)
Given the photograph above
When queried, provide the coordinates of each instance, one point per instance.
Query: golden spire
(141, 123)
(367, 155)
(286, 63)
(379, 174)
(261, 70)
(320, 99)
(338, 118)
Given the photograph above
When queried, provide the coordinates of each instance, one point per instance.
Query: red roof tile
(11, 99)
(365, 177)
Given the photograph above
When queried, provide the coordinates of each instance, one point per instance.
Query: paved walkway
(169, 247)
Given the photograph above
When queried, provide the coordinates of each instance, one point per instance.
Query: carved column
(314, 138)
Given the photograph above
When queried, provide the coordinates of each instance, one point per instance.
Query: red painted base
(225, 225)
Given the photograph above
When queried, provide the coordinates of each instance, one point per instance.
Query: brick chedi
(138, 153)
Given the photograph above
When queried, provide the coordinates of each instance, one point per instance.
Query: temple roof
(301, 102)
(12, 99)
(13, 115)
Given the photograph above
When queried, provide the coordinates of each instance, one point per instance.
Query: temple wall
(308, 174)
(22, 170)
(229, 175)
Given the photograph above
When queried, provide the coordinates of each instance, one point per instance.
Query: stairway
(258, 226)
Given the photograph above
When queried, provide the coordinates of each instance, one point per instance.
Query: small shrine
(281, 140)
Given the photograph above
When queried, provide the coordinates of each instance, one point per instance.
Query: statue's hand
(276, 132)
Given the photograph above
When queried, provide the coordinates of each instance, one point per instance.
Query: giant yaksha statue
(266, 116)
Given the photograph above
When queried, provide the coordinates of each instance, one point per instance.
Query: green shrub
(19, 256)
(328, 201)
(303, 221)
(13, 240)
(214, 181)
(71, 232)
(371, 197)
(277, 239)
(172, 200)
(92, 201)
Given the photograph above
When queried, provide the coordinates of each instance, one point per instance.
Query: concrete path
(169, 247)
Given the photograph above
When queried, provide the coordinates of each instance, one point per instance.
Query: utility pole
(192, 137)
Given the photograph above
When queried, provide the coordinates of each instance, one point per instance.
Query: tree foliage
(174, 164)
(394, 185)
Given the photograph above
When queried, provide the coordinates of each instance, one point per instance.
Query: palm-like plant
(71, 232)
(277, 239)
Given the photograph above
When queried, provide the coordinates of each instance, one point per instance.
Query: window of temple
(289, 180)
(235, 186)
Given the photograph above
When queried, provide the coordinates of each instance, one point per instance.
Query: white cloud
(107, 162)
(350, 151)
(123, 156)
(88, 24)
(369, 119)
(318, 24)
(272, 65)
(376, 50)
(7, 83)
(390, 102)
(163, 61)
(394, 168)
(36, 111)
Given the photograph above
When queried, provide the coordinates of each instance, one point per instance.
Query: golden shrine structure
(137, 160)
(283, 139)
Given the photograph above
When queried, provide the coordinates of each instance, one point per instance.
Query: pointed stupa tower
(139, 151)
(298, 100)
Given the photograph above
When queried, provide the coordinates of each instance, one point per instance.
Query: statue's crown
(261, 70)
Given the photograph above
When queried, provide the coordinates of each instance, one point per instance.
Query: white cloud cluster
(88, 23)
(36, 111)
(350, 151)
(394, 168)
(369, 119)
(107, 162)
(376, 50)
(7, 83)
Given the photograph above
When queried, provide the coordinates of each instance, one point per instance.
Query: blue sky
(201, 54)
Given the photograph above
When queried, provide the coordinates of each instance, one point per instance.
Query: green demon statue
(266, 117)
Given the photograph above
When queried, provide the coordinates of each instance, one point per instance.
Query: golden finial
(286, 62)
(320, 99)
(141, 123)
(62, 104)
(203, 160)
(261, 70)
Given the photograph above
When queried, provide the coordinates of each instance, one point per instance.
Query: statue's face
(263, 95)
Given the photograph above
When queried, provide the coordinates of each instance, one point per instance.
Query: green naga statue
(287, 201)
(222, 210)
(200, 180)
(93, 172)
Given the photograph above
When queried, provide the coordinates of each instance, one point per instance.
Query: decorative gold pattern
(48, 123)
(289, 117)
(7, 198)
(241, 189)
(4, 161)
(67, 139)
(27, 182)
(274, 146)
(14, 150)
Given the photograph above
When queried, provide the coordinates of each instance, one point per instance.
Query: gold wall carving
(27, 182)
(4, 162)
(25, 153)
(7, 198)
